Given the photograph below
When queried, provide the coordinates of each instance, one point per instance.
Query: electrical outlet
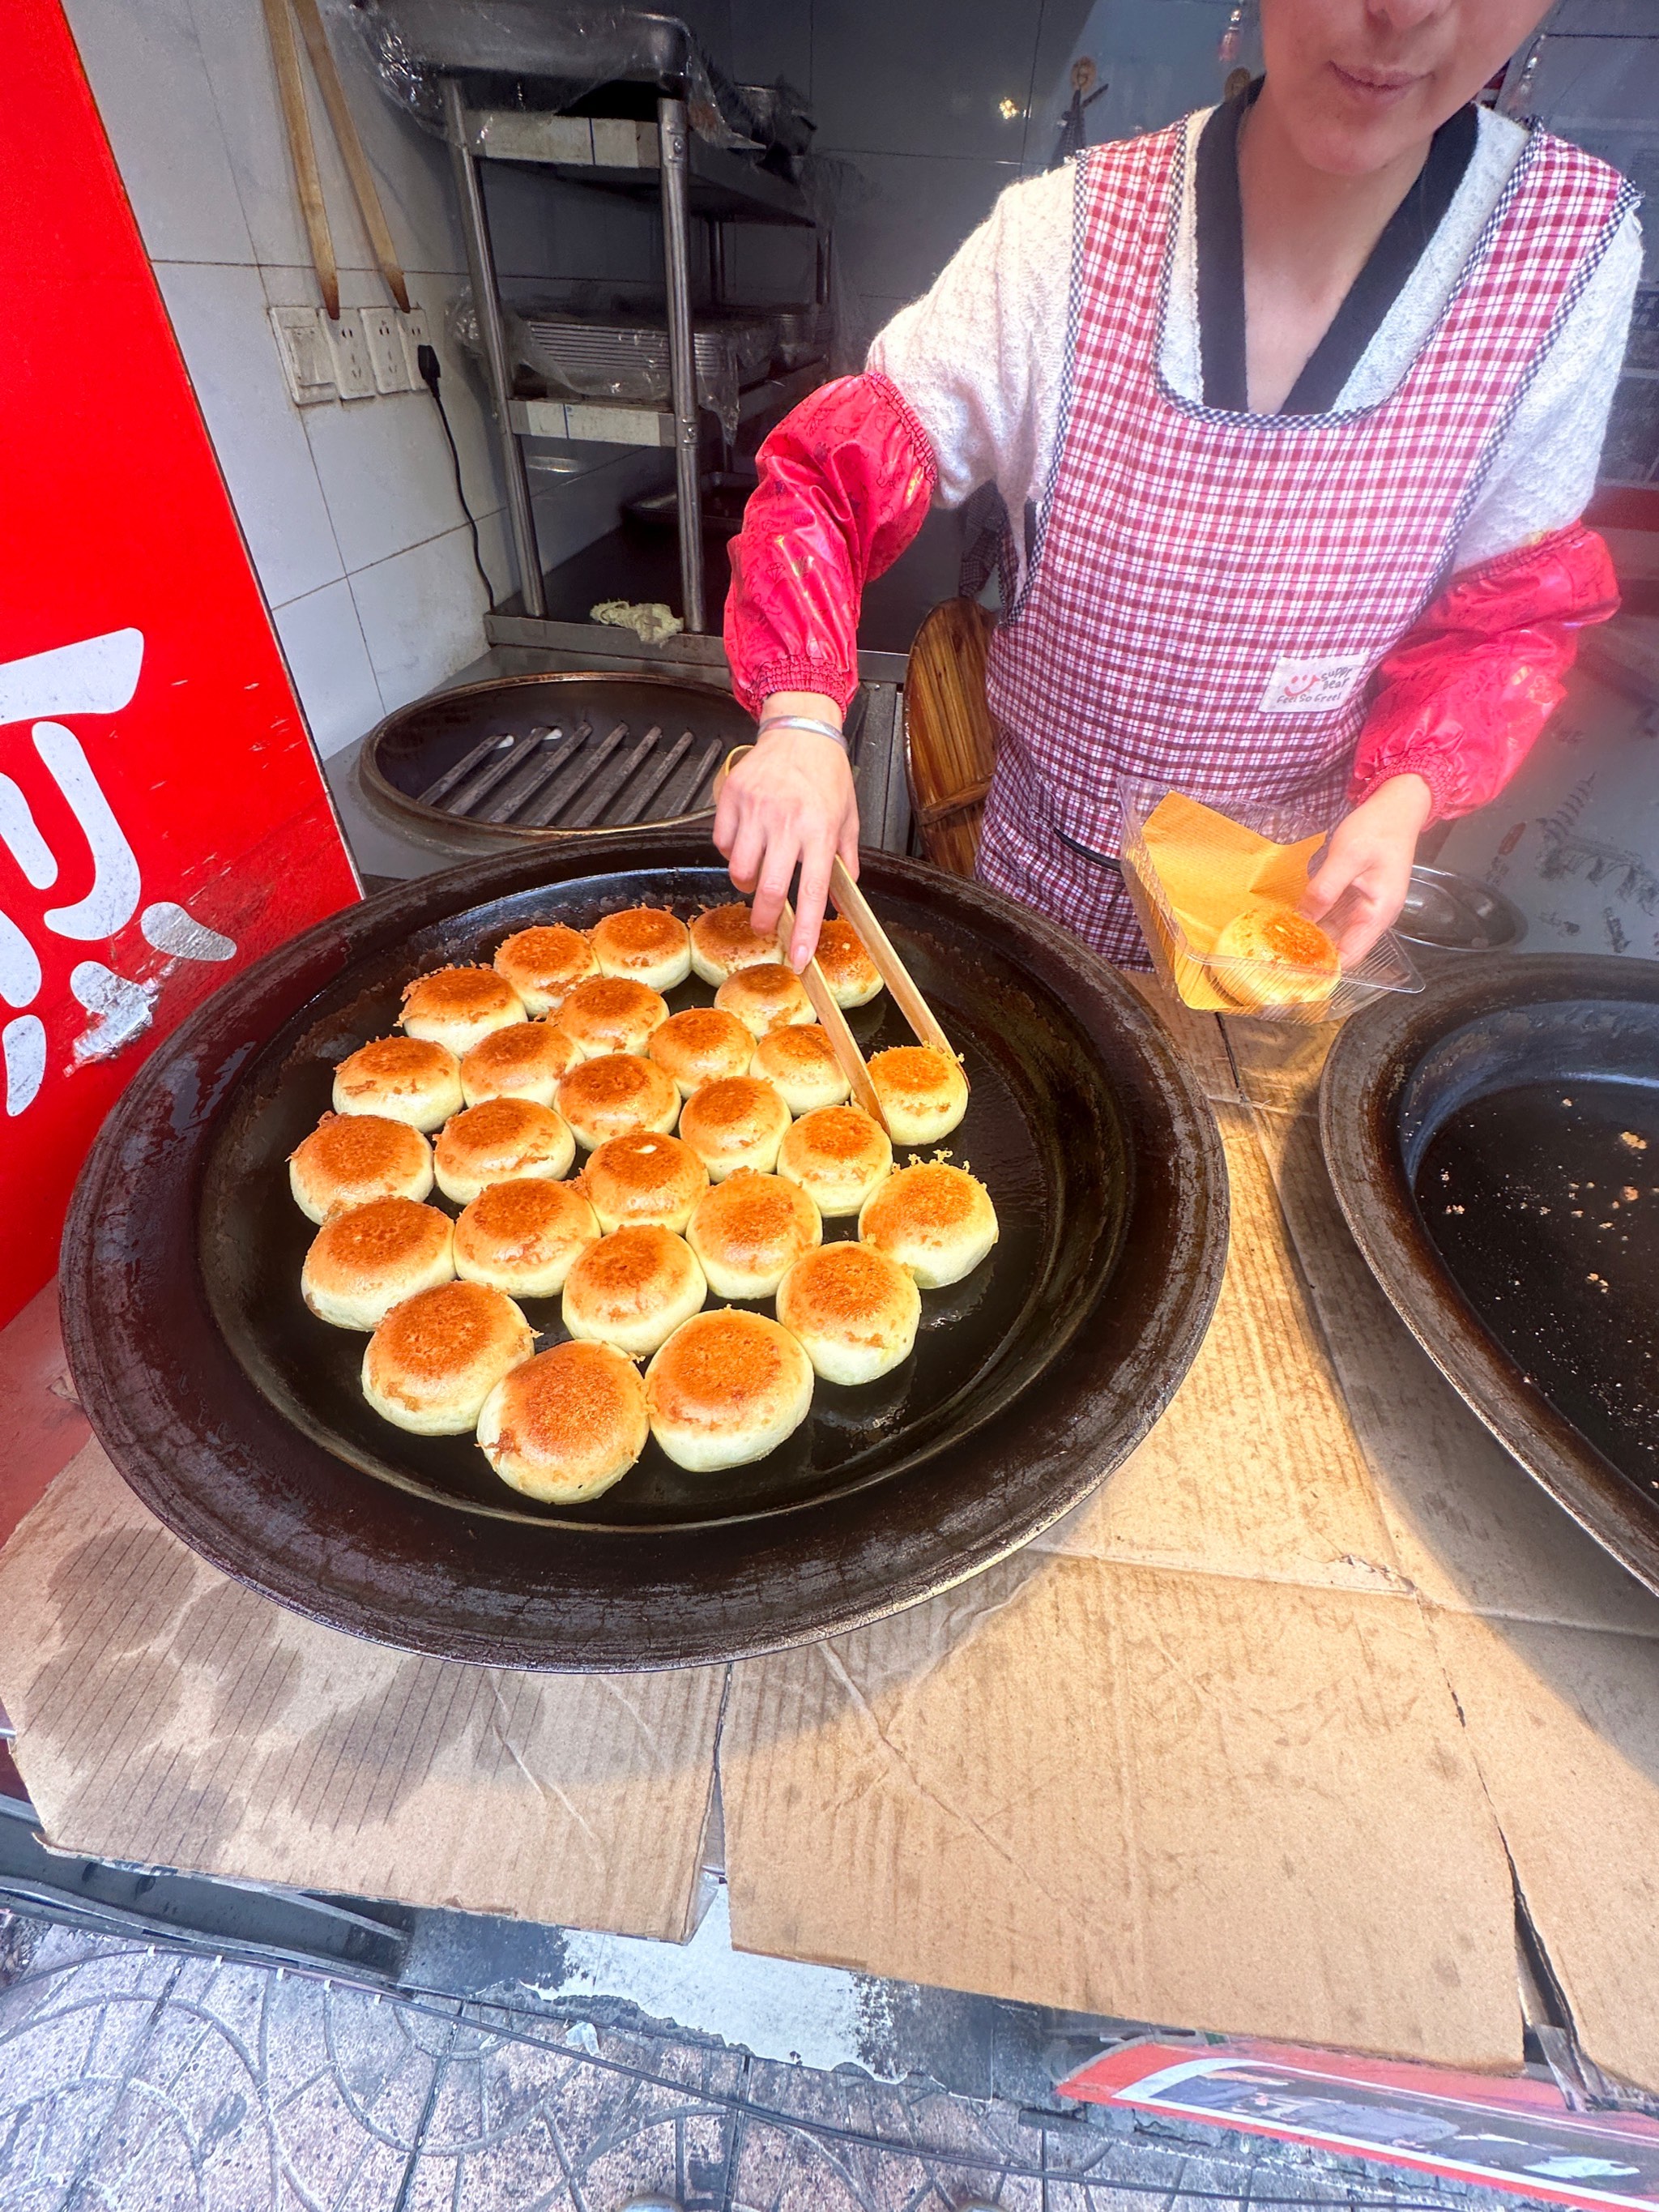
(386, 357)
(417, 332)
(353, 370)
(307, 360)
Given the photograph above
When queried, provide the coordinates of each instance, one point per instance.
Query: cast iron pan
(1495, 1146)
(235, 1414)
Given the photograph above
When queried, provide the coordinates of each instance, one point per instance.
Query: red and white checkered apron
(1188, 559)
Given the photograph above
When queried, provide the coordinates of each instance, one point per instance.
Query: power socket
(386, 357)
(416, 332)
(353, 370)
(307, 358)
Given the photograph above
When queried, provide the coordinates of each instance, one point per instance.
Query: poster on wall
(163, 818)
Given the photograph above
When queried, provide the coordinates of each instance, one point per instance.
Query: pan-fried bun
(456, 1006)
(853, 976)
(1302, 959)
(645, 942)
(544, 963)
(503, 1140)
(362, 1262)
(524, 1238)
(923, 1092)
(748, 1231)
(523, 1062)
(802, 1062)
(567, 1424)
(722, 941)
(765, 997)
(853, 1310)
(406, 1078)
(608, 1097)
(932, 1219)
(643, 1177)
(436, 1357)
(838, 1156)
(611, 1013)
(738, 1122)
(700, 1046)
(727, 1389)
(633, 1289)
(350, 1158)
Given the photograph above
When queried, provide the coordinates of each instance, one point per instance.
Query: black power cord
(426, 361)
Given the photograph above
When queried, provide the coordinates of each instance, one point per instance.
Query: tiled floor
(137, 2081)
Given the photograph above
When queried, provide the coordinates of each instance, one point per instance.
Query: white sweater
(981, 357)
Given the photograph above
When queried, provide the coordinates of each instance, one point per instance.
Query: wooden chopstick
(852, 906)
(286, 55)
(843, 1042)
(351, 149)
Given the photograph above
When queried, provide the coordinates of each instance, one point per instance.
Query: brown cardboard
(166, 1715)
(1178, 1797)
(1565, 1725)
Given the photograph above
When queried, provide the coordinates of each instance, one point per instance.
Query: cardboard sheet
(1170, 1796)
(169, 1716)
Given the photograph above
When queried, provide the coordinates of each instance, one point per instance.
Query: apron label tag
(1314, 687)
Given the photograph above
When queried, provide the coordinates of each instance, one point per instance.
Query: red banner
(163, 818)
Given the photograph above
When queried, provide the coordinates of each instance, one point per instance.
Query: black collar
(1374, 291)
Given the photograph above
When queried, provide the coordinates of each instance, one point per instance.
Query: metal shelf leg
(672, 127)
(480, 269)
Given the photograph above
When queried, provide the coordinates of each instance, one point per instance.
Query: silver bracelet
(803, 722)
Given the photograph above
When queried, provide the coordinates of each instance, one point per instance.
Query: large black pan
(1495, 1146)
(236, 1415)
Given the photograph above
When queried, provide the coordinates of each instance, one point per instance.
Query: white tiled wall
(348, 508)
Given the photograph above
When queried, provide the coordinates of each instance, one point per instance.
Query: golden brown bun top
(933, 1198)
(500, 1125)
(1273, 931)
(358, 1148)
(838, 1133)
(520, 1050)
(547, 956)
(441, 1333)
(724, 1367)
(567, 1402)
(735, 1103)
(642, 1162)
(640, 933)
(398, 1064)
(460, 995)
(724, 932)
(366, 1242)
(616, 1078)
(701, 1032)
(918, 1072)
(750, 1214)
(844, 1286)
(799, 1048)
(842, 956)
(513, 1218)
(771, 984)
(628, 1262)
(602, 1001)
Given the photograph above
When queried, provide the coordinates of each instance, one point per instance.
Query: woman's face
(1358, 83)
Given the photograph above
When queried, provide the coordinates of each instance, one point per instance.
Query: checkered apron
(1210, 593)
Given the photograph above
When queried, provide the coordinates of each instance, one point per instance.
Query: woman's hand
(790, 803)
(1369, 855)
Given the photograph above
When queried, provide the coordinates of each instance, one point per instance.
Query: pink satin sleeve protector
(1462, 696)
(845, 484)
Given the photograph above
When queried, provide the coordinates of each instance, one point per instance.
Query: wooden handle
(291, 89)
(351, 149)
(843, 1042)
(852, 906)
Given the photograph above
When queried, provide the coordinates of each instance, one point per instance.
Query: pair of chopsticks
(286, 54)
(852, 905)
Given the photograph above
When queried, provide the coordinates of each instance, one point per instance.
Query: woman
(1295, 406)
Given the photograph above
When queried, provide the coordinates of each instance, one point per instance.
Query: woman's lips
(1376, 87)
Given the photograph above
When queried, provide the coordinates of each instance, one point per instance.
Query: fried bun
(607, 1098)
(644, 1177)
(700, 1046)
(838, 1156)
(363, 1260)
(723, 941)
(801, 1061)
(765, 997)
(350, 1158)
(567, 1424)
(436, 1357)
(646, 943)
(523, 1062)
(633, 1289)
(545, 963)
(748, 1231)
(524, 1238)
(503, 1140)
(738, 1122)
(923, 1092)
(456, 1006)
(612, 1013)
(853, 1310)
(726, 1388)
(406, 1078)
